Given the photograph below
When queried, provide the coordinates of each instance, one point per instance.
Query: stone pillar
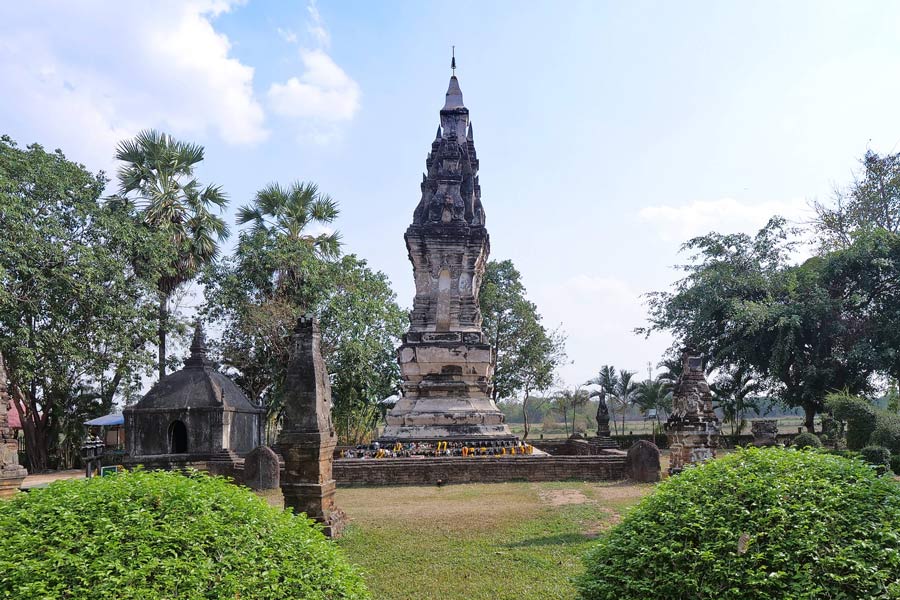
(693, 429)
(307, 437)
(11, 473)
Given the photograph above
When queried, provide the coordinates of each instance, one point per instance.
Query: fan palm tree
(625, 392)
(607, 380)
(286, 214)
(654, 394)
(157, 182)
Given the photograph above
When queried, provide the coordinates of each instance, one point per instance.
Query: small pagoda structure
(445, 360)
(693, 429)
(194, 415)
(12, 474)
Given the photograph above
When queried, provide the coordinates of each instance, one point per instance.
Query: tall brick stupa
(445, 360)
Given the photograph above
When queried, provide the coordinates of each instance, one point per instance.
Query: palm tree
(654, 394)
(157, 181)
(608, 380)
(285, 214)
(625, 392)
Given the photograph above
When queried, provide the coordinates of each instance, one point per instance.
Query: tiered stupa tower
(445, 360)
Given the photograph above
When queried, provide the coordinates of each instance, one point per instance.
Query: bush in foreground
(164, 535)
(767, 524)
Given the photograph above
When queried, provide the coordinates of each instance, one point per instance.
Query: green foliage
(767, 524)
(887, 431)
(277, 274)
(870, 202)
(877, 456)
(895, 464)
(791, 327)
(806, 440)
(157, 189)
(164, 535)
(621, 389)
(74, 314)
(526, 355)
(860, 415)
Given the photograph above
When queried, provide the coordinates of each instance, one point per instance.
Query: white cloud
(726, 215)
(323, 92)
(287, 35)
(89, 75)
(316, 27)
(323, 96)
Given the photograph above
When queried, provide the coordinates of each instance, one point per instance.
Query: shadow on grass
(551, 540)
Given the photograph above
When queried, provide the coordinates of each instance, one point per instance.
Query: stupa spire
(454, 99)
(198, 356)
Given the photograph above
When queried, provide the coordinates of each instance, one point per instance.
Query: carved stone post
(11, 473)
(693, 428)
(307, 438)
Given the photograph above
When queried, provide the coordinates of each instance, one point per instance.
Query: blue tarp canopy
(106, 421)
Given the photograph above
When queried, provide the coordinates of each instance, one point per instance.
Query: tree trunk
(163, 326)
(525, 414)
(36, 442)
(810, 414)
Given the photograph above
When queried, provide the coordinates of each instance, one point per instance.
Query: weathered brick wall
(424, 471)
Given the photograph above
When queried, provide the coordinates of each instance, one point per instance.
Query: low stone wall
(430, 471)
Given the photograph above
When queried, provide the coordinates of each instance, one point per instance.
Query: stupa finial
(198, 356)
(453, 61)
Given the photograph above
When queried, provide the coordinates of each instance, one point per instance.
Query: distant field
(785, 425)
(479, 541)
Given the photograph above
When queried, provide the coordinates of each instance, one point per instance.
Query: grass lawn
(478, 541)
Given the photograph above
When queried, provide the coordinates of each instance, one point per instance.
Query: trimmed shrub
(895, 464)
(859, 414)
(877, 456)
(759, 523)
(164, 535)
(806, 440)
(887, 431)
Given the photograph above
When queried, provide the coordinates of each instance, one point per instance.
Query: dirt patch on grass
(563, 497)
(617, 492)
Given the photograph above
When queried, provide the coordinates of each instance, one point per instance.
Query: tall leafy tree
(280, 271)
(744, 304)
(74, 315)
(869, 203)
(157, 183)
(526, 355)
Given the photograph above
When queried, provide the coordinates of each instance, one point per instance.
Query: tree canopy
(74, 314)
(526, 355)
(279, 272)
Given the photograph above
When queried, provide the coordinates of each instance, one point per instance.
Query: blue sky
(608, 132)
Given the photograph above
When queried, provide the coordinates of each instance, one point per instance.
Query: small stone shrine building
(195, 414)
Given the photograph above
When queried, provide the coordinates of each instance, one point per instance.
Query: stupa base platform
(349, 472)
(446, 433)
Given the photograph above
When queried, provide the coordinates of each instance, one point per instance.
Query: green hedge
(756, 524)
(806, 440)
(859, 414)
(887, 431)
(164, 535)
(877, 456)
